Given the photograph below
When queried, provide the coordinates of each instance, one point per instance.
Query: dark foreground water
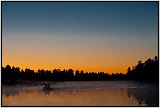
(82, 93)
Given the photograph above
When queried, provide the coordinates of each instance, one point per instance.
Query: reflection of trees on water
(11, 92)
(15, 91)
(76, 91)
(67, 91)
(8, 93)
(147, 95)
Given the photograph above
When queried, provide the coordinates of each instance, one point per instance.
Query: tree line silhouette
(14, 74)
(147, 71)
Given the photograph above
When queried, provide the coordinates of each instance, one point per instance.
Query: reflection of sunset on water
(105, 94)
(71, 98)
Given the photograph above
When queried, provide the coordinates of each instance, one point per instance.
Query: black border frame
(74, 1)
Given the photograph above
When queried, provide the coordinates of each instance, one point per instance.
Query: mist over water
(81, 93)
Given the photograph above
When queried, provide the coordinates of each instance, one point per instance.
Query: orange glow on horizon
(112, 68)
(89, 57)
(95, 65)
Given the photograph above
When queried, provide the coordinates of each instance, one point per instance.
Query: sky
(89, 36)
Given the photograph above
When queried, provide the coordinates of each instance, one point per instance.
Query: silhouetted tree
(77, 78)
(147, 71)
(69, 75)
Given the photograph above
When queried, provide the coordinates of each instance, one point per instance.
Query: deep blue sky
(112, 30)
(104, 17)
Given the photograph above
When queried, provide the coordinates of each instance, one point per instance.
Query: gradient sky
(89, 36)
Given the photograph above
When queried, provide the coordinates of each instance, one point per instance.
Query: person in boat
(46, 85)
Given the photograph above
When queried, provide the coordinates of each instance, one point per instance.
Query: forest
(147, 71)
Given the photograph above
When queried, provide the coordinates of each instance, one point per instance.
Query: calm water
(95, 93)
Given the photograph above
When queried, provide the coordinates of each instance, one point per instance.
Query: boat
(47, 88)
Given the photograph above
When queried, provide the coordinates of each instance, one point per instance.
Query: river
(82, 93)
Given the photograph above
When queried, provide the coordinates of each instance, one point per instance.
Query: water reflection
(111, 96)
(148, 95)
(46, 92)
(9, 92)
